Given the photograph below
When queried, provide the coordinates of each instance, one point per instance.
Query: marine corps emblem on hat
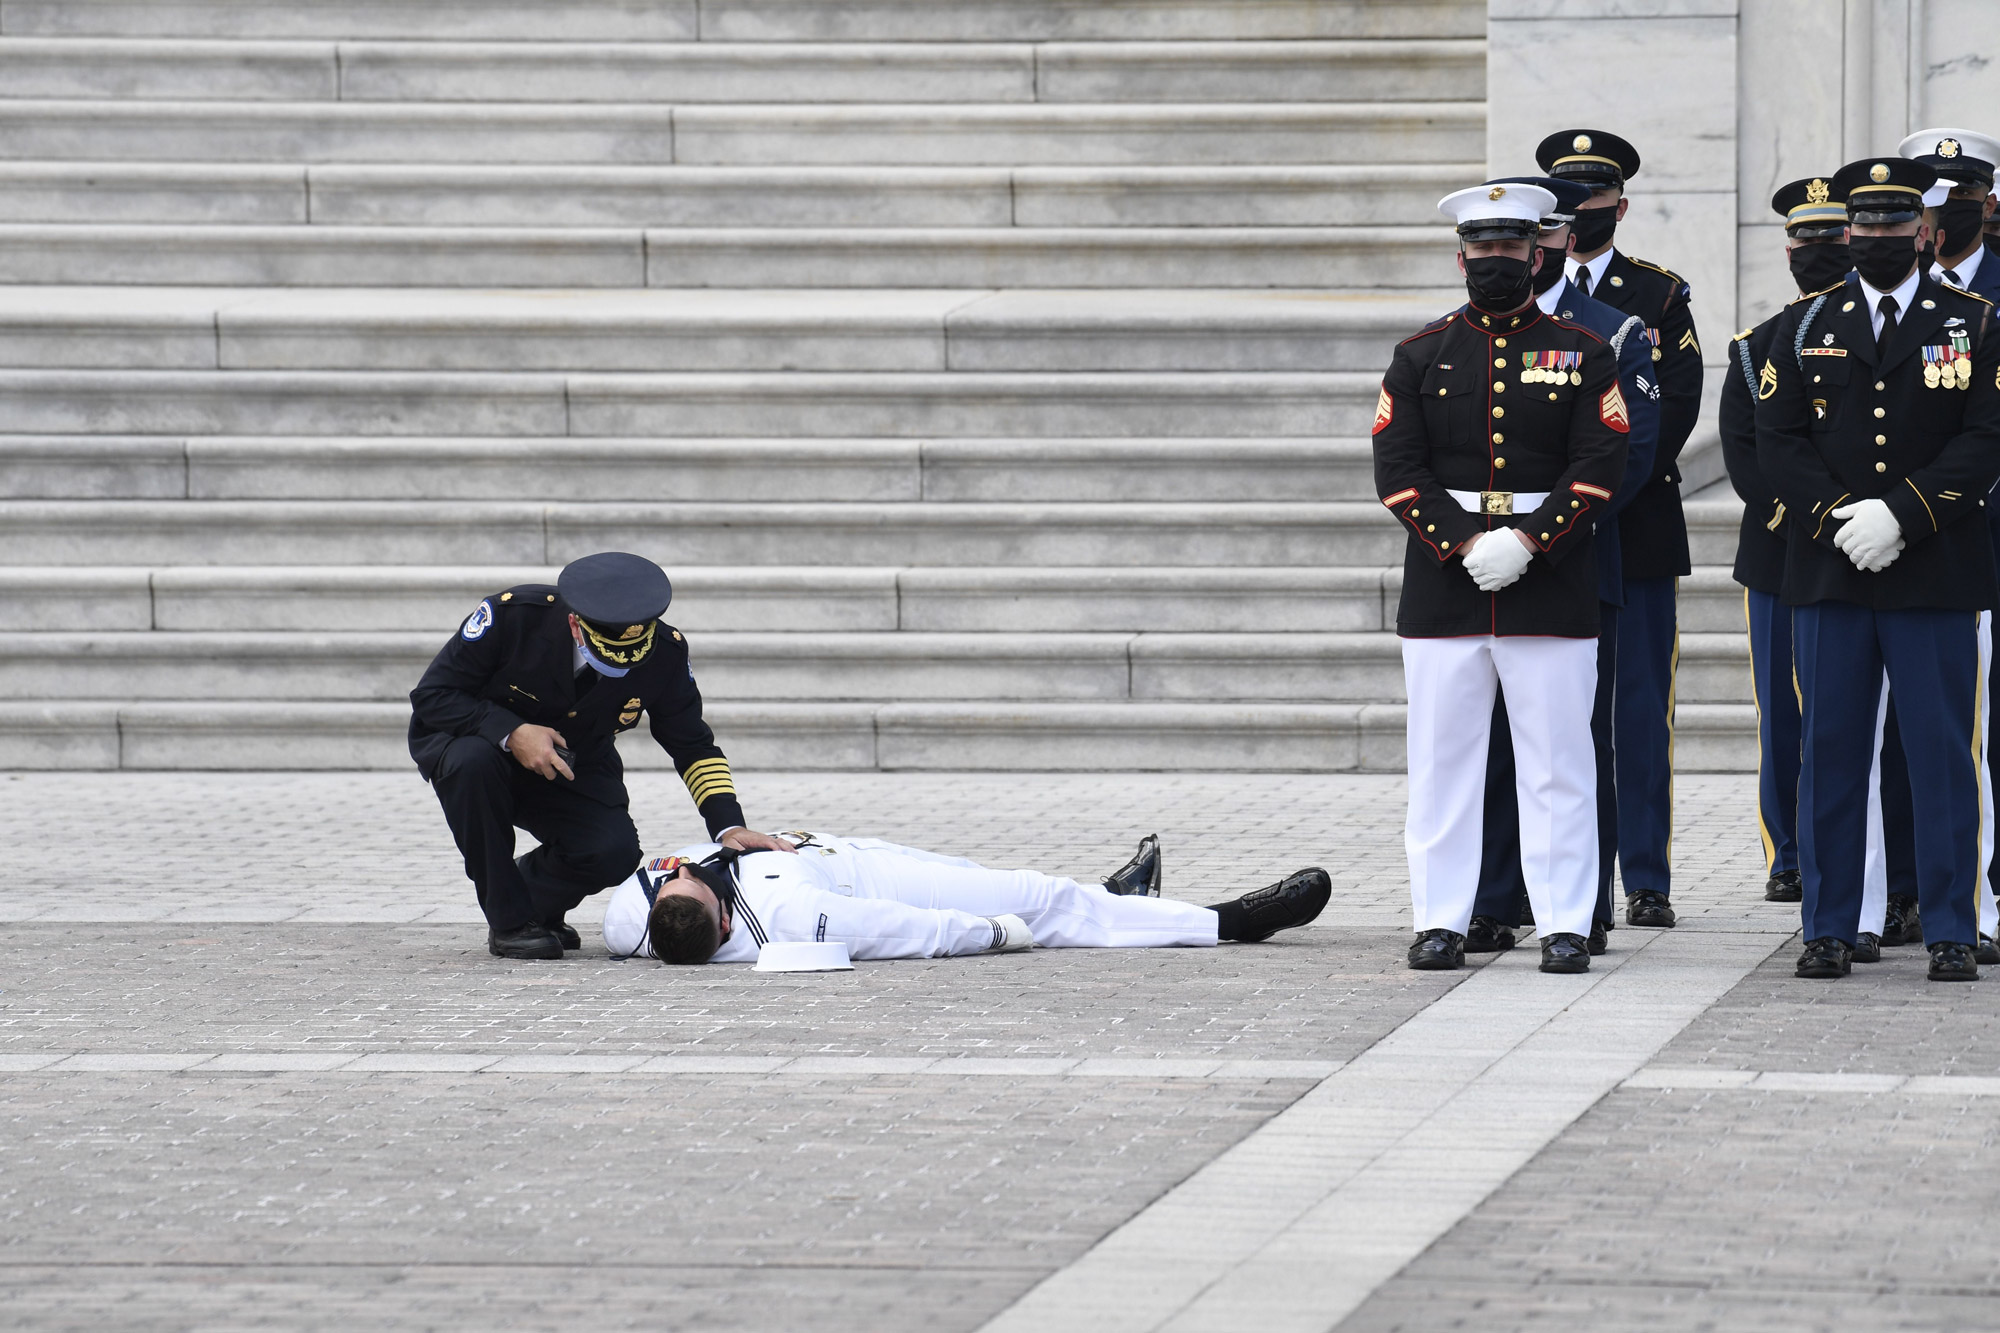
(1817, 191)
(1948, 148)
(1497, 192)
(1879, 172)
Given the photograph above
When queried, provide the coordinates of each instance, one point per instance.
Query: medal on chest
(1949, 366)
(1551, 367)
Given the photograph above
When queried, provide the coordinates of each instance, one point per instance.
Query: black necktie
(1951, 276)
(1583, 281)
(1888, 309)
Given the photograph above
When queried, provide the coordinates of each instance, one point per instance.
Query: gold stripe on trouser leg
(1757, 705)
(1673, 689)
(1982, 636)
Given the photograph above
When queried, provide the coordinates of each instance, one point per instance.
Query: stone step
(750, 20)
(748, 257)
(1712, 602)
(414, 329)
(681, 72)
(821, 665)
(84, 467)
(952, 403)
(544, 196)
(942, 134)
(1307, 738)
(994, 737)
(417, 532)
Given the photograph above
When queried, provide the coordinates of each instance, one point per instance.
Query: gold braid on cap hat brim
(620, 649)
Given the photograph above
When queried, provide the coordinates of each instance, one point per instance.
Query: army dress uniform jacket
(1652, 530)
(513, 662)
(1760, 543)
(1835, 426)
(1490, 403)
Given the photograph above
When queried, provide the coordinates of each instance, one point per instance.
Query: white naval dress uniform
(888, 901)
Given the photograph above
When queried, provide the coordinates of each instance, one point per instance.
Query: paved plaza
(257, 1070)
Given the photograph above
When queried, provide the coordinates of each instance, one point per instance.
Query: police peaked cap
(1883, 189)
(619, 597)
(1570, 196)
(1810, 211)
(1594, 157)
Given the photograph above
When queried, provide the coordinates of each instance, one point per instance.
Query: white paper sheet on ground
(803, 956)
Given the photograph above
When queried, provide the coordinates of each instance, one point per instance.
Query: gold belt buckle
(1496, 502)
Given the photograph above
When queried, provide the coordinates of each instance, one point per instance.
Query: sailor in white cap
(1960, 206)
(1500, 438)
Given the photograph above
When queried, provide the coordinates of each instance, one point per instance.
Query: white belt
(1499, 502)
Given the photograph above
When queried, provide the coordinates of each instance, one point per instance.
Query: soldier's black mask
(1551, 271)
(1961, 222)
(1883, 261)
(1594, 228)
(1497, 283)
(1817, 267)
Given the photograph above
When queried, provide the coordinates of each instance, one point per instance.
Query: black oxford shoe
(1648, 907)
(1953, 962)
(533, 940)
(1293, 901)
(1825, 958)
(1784, 887)
(1140, 876)
(1988, 952)
(1564, 952)
(1900, 924)
(1487, 935)
(1867, 948)
(1599, 940)
(565, 934)
(1437, 951)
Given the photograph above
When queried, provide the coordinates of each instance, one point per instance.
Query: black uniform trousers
(1769, 622)
(586, 844)
(1503, 893)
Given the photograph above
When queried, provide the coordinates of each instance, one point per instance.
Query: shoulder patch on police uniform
(1385, 410)
(478, 622)
(1611, 408)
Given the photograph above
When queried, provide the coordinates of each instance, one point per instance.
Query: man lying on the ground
(707, 904)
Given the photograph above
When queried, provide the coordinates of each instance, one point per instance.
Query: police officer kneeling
(514, 724)
(1878, 423)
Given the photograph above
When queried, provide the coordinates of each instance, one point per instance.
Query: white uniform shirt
(810, 895)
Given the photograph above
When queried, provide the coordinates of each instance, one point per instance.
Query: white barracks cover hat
(1488, 212)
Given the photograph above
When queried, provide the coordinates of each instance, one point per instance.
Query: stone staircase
(992, 376)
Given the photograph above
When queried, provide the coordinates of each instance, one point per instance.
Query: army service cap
(1594, 157)
(1495, 212)
(620, 598)
(1963, 157)
(1880, 190)
(1569, 195)
(1810, 211)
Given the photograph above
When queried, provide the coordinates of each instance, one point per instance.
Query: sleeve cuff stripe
(1400, 496)
(702, 790)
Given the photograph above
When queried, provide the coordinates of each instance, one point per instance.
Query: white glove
(1497, 559)
(1872, 537)
(1010, 934)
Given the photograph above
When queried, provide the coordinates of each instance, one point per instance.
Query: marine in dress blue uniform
(573, 665)
(1497, 910)
(1878, 424)
(1816, 251)
(1652, 529)
(1500, 585)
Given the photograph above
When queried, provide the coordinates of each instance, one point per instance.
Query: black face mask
(1961, 221)
(1593, 228)
(1817, 267)
(1497, 283)
(1551, 271)
(1883, 261)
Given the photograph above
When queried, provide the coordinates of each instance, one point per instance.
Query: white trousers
(1550, 685)
(1875, 861)
(1061, 913)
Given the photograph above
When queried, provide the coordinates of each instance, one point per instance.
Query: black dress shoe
(1293, 901)
(1564, 952)
(1900, 925)
(1437, 951)
(1953, 962)
(1825, 958)
(533, 940)
(1867, 948)
(1988, 952)
(1598, 941)
(1487, 935)
(1648, 907)
(1784, 887)
(565, 934)
(1140, 876)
